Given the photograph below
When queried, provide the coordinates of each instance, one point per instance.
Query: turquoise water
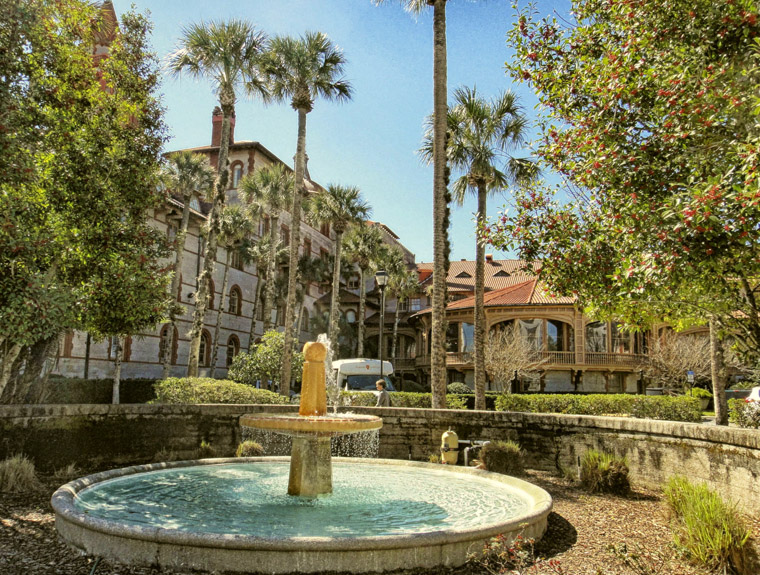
(251, 499)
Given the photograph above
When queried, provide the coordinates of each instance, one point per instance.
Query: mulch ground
(582, 530)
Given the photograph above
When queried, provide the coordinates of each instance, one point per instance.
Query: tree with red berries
(648, 116)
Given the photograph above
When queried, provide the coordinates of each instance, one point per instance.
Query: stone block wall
(728, 459)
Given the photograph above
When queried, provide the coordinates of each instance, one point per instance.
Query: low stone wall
(111, 435)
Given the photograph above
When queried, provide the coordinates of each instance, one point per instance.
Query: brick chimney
(216, 127)
(489, 258)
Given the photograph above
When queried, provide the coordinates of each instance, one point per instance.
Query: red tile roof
(512, 268)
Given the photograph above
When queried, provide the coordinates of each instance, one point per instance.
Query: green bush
(205, 451)
(604, 473)
(710, 531)
(400, 399)
(502, 457)
(458, 387)
(264, 362)
(17, 475)
(744, 413)
(181, 390)
(249, 448)
(700, 392)
(71, 390)
(644, 406)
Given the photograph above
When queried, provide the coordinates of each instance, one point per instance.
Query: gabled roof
(461, 277)
(528, 292)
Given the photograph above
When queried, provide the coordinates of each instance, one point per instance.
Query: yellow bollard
(449, 447)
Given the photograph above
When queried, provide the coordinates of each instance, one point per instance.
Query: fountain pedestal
(310, 466)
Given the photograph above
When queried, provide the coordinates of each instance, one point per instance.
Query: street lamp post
(381, 279)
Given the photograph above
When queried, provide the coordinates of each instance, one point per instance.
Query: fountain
(234, 516)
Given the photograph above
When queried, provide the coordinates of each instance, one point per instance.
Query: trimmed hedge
(182, 390)
(681, 408)
(71, 390)
(400, 399)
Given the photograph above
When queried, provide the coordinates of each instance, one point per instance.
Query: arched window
(237, 173)
(205, 350)
(163, 341)
(126, 352)
(235, 301)
(233, 347)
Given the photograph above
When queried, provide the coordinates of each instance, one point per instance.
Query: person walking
(383, 397)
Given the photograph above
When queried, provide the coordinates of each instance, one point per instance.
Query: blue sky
(370, 141)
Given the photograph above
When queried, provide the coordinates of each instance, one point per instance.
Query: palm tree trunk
(269, 296)
(718, 368)
(295, 239)
(220, 313)
(394, 340)
(438, 349)
(480, 313)
(117, 370)
(362, 312)
(334, 329)
(220, 187)
(256, 296)
(180, 249)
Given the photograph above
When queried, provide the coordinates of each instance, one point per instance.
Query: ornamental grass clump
(249, 448)
(604, 473)
(502, 457)
(710, 531)
(17, 475)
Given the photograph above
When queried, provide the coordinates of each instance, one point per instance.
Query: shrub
(710, 531)
(744, 413)
(66, 474)
(205, 451)
(265, 361)
(17, 475)
(700, 392)
(400, 399)
(249, 448)
(604, 473)
(644, 406)
(458, 387)
(502, 457)
(179, 390)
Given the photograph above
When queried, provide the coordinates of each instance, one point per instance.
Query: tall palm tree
(440, 196)
(403, 283)
(270, 190)
(227, 54)
(341, 207)
(260, 253)
(310, 270)
(481, 135)
(364, 247)
(234, 229)
(185, 173)
(301, 70)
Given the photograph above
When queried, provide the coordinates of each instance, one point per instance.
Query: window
(113, 345)
(233, 347)
(307, 246)
(236, 261)
(324, 229)
(415, 304)
(237, 174)
(596, 337)
(205, 349)
(195, 204)
(621, 340)
(530, 331)
(468, 337)
(285, 236)
(305, 320)
(324, 254)
(235, 301)
(452, 337)
(353, 282)
(402, 305)
(164, 340)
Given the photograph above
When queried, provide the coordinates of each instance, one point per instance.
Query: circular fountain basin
(293, 423)
(232, 515)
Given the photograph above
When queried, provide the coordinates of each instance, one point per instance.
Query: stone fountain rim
(63, 504)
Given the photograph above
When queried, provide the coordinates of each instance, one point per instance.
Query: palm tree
(481, 134)
(403, 283)
(339, 206)
(234, 229)
(301, 70)
(310, 270)
(440, 196)
(185, 173)
(364, 247)
(227, 54)
(269, 190)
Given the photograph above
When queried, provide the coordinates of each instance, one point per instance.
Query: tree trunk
(269, 296)
(87, 343)
(362, 312)
(32, 381)
(480, 314)
(438, 344)
(718, 374)
(220, 188)
(117, 370)
(334, 329)
(295, 239)
(218, 327)
(394, 339)
(179, 256)
(256, 297)
(6, 366)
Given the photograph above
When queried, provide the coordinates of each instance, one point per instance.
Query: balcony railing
(400, 363)
(552, 358)
(626, 359)
(459, 358)
(557, 357)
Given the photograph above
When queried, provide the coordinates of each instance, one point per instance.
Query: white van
(361, 374)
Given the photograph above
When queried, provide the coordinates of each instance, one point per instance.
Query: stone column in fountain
(310, 460)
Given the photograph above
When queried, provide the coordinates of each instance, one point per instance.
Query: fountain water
(233, 515)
